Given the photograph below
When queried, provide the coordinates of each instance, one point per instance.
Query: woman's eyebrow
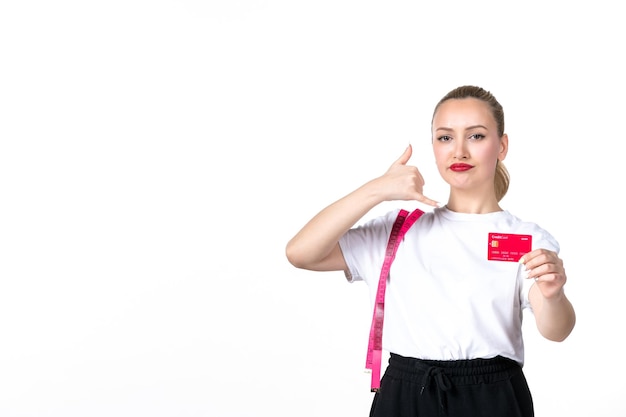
(449, 129)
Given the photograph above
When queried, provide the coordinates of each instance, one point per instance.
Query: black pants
(464, 388)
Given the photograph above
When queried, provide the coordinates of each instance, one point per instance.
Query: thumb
(404, 158)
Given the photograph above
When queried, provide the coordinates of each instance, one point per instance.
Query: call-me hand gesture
(404, 182)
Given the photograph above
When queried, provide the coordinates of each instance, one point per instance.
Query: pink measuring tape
(375, 347)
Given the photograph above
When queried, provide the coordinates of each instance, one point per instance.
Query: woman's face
(466, 144)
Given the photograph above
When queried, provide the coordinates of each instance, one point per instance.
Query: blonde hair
(502, 178)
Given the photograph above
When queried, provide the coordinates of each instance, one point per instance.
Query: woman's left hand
(546, 268)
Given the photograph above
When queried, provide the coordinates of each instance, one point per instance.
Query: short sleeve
(363, 247)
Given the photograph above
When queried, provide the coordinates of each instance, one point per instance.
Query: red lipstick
(461, 167)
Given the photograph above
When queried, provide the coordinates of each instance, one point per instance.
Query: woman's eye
(477, 136)
(444, 138)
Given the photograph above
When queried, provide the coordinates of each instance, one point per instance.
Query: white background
(156, 157)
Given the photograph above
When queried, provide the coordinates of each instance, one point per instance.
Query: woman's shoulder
(541, 236)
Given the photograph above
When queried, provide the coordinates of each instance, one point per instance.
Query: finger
(533, 271)
(528, 256)
(422, 198)
(531, 256)
(541, 258)
(406, 155)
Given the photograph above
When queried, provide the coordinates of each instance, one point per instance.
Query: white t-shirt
(445, 300)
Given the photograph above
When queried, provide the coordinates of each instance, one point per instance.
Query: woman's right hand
(404, 182)
(316, 245)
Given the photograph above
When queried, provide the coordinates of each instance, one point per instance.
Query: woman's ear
(504, 147)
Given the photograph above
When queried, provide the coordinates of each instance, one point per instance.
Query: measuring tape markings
(375, 346)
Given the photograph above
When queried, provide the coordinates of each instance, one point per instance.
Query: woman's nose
(460, 150)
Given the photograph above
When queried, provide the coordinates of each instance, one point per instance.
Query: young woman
(453, 310)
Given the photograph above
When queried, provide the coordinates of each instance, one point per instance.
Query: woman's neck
(472, 204)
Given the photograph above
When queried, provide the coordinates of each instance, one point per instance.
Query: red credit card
(508, 247)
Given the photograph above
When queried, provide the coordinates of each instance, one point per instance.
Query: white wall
(156, 156)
